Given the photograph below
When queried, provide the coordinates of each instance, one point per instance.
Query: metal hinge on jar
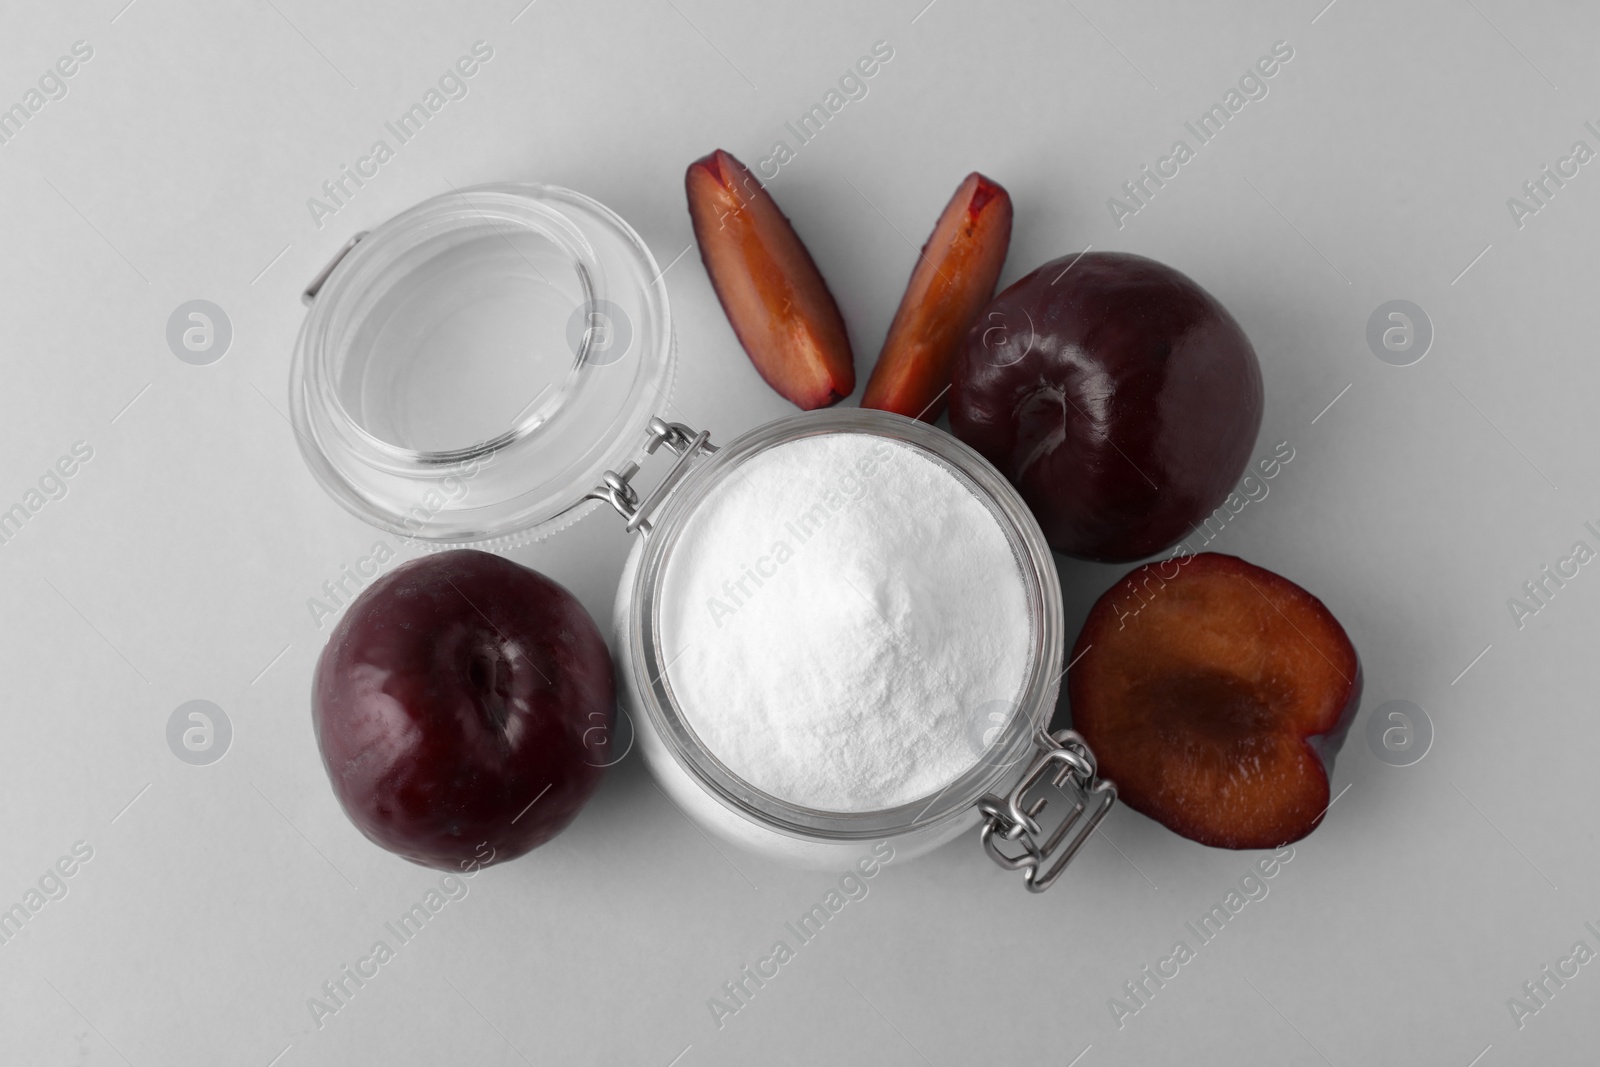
(1013, 818)
(618, 490)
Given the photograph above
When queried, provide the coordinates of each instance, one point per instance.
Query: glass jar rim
(1035, 700)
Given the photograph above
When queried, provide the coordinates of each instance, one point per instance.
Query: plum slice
(1215, 694)
(952, 281)
(774, 296)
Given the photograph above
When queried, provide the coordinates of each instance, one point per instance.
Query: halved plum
(1215, 694)
(774, 296)
(952, 281)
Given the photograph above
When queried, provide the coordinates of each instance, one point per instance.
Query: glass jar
(485, 366)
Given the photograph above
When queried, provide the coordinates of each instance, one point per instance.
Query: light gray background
(178, 566)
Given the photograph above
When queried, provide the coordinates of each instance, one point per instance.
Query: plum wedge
(954, 278)
(1215, 694)
(774, 296)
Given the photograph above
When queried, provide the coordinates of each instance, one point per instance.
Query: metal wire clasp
(1066, 758)
(618, 490)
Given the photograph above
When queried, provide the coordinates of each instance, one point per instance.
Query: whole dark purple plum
(463, 706)
(1120, 398)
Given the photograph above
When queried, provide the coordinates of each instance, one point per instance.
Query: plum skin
(1118, 396)
(455, 692)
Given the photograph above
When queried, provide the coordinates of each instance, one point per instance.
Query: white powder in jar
(844, 623)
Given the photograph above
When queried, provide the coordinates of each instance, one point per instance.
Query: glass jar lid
(471, 368)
